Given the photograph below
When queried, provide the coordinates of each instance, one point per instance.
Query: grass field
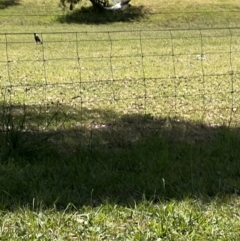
(120, 126)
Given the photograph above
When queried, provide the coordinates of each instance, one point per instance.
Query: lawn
(120, 126)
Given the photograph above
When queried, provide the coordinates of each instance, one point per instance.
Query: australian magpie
(122, 5)
(37, 39)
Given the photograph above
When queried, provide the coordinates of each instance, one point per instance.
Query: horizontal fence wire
(93, 80)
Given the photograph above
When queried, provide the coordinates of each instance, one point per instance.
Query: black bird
(37, 39)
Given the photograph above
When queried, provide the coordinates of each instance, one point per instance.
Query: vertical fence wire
(80, 77)
(8, 90)
(174, 71)
(202, 57)
(232, 78)
(143, 72)
(111, 71)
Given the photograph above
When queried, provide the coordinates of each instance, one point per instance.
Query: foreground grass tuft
(186, 220)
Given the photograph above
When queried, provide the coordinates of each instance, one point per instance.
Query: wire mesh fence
(102, 80)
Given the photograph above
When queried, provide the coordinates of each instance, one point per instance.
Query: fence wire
(93, 80)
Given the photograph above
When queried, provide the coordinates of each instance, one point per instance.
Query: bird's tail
(108, 8)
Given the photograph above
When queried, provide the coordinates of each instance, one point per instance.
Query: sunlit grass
(144, 14)
(189, 74)
(185, 220)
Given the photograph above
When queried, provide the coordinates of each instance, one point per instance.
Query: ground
(120, 126)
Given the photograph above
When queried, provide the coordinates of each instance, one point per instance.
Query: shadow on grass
(93, 156)
(90, 15)
(8, 3)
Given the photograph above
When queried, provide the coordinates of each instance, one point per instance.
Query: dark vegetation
(119, 161)
(8, 3)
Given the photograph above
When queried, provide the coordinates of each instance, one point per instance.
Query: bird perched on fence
(37, 39)
(122, 5)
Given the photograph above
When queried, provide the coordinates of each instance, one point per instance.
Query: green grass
(165, 189)
(147, 221)
(120, 126)
(128, 72)
(144, 14)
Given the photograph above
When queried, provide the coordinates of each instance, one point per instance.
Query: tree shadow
(91, 15)
(91, 156)
(8, 3)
